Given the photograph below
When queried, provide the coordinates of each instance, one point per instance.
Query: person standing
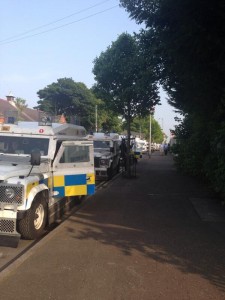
(165, 148)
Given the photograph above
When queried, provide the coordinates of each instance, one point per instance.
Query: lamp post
(96, 118)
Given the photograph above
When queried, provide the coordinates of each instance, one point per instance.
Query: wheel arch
(37, 191)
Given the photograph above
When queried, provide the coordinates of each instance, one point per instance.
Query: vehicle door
(73, 169)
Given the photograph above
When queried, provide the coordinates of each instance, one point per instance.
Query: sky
(42, 41)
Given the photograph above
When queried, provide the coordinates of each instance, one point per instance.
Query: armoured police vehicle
(106, 155)
(42, 168)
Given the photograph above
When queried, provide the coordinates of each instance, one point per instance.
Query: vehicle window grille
(18, 197)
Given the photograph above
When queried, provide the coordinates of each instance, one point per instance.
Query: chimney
(10, 97)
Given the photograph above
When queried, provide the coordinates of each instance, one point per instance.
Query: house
(10, 112)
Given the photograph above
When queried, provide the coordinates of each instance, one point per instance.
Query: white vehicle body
(106, 154)
(66, 169)
(140, 147)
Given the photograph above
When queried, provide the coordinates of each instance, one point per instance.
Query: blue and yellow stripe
(74, 185)
(68, 185)
(137, 154)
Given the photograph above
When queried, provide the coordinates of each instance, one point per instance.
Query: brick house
(9, 111)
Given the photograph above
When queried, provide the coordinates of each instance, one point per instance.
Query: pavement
(158, 236)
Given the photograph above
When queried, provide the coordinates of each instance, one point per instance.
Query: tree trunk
(128, 165)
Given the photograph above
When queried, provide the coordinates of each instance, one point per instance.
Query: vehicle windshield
(23, 145)
(102, 144)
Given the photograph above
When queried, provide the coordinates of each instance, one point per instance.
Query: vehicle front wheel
(32, 225)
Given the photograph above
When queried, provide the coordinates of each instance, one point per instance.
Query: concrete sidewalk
(141, 238)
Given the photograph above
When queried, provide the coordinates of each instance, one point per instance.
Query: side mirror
(35, 158)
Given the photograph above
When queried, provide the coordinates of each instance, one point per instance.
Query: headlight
(10, 193)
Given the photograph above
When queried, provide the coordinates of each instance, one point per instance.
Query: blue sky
(44, 40)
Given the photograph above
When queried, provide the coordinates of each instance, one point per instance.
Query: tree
(187, 47)
(73, 99)
(121, 81)
(124, 81)
(141, 126)
(108, 121)
(186, 41)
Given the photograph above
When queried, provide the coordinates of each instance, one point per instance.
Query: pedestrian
(165, 148)
(161, 149)
(123, 153)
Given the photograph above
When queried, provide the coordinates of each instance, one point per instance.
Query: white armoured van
(106, 154)
(42, 168)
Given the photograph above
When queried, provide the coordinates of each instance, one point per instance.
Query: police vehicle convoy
(106, 154)
(42, 168)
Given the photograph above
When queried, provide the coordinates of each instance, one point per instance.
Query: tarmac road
(159, 236)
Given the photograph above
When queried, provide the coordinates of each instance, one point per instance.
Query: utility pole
(96, 118)
(151, 112)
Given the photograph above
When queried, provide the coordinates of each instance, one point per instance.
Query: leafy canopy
(124, 81)
(141, 126)
(186, 39)
(69, 98)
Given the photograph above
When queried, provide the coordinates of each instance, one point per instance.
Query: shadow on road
(154, 217)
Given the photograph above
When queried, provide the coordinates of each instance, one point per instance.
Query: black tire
(79, 199)
(32, 225)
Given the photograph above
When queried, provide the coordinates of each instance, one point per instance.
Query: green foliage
(185, 40)
(157, 134)
(194, 139)
(214, 164)
(142, 126)
(107, 120)
(187, 48)
(201, 150)
(125, 82)
(77, 102)
(73, 99)
(120, 73)
(110, 123)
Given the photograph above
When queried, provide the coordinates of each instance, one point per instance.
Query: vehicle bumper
(9, 237)
(101, 173)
